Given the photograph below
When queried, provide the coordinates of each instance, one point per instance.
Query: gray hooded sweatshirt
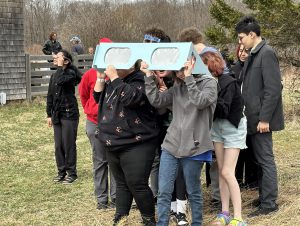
(193, 103)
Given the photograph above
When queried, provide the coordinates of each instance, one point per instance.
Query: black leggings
(131, 168)
(179, 191)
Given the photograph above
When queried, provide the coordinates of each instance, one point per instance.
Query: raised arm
(156, 98)
(204, 97)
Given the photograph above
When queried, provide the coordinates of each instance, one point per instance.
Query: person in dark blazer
(262, 93)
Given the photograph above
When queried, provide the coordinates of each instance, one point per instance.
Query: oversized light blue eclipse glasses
(159, 56)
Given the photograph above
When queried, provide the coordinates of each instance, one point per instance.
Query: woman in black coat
(63, 115)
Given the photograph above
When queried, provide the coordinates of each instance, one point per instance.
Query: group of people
(52, 46)
(166, 124)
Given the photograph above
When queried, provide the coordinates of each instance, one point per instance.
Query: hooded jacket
(61, 98)
(193, 103)
(86, 90)
(230, 102)
(125, 116)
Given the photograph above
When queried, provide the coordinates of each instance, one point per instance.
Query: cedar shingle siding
(12, 56)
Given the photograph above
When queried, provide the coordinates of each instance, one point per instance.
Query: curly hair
(191, 34)
(214, 62)
(156, 32)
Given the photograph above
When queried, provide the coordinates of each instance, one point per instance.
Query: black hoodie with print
(125, 116)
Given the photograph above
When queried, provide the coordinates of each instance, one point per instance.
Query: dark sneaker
(59, 178)
(149, 221)
(255, 203)
(173, 217)
(216, 204)
(102, 206)
(263, 211)
(69, 180)
(181, 219)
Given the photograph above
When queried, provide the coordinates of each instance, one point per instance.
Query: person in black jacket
(128, 131)
(229, 136)
(246, 163)
(52, 46)
(262, 93)
(63, 115)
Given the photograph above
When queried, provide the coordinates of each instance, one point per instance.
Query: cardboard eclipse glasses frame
(159, 56)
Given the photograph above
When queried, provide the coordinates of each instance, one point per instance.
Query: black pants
(65, 135)
(262, 144)
(179, 191)
(131, 168)
(247, 166)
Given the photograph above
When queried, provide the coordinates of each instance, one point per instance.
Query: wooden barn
(12, 56)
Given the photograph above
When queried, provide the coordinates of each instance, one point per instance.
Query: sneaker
(263, 211)
(181, 219)
(101, 206)
(221, 220)
(173, 217)
(148, 221)
(59, 178)
(255, 203)
(69, 180)
(216, 204)
(237, 222)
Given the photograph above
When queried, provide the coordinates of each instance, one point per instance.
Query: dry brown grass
(28, 196)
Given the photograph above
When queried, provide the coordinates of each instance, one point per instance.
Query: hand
(188, 67)
(101, 75)
(144, 68)
(161, 84)
(263, 127)
(111, 72)
(49, 122)
(58, 60)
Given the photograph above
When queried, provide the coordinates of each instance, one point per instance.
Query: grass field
(27, 165)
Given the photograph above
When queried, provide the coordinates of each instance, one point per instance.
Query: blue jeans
(167, 174)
